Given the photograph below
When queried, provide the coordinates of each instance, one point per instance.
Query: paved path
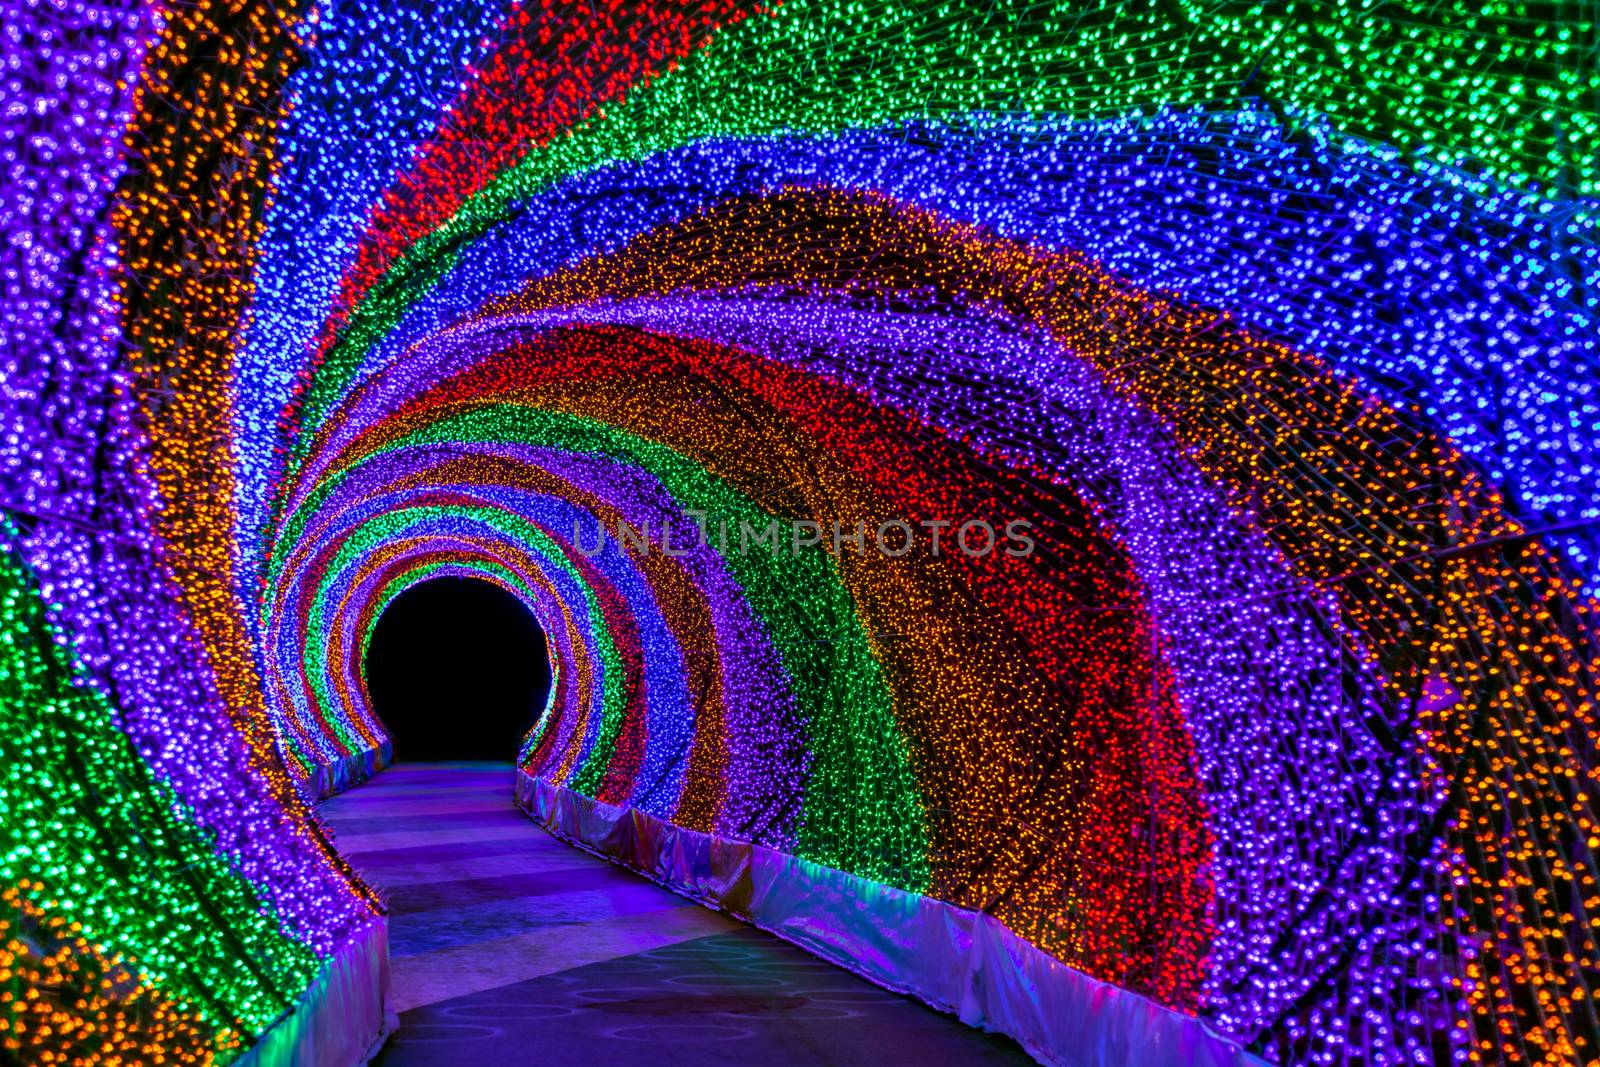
(510, 947)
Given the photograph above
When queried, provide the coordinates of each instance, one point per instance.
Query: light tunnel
(1082, 514)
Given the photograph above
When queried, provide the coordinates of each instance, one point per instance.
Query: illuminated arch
(1277, 330)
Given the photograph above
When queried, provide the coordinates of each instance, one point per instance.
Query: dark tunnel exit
(457, 669)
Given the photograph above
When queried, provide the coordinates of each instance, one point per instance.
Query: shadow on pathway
(510, 947)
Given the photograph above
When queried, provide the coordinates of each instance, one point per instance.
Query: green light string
(115, 848)
(1527, 107)
(491, 571)
(862, 811)
(385, 528)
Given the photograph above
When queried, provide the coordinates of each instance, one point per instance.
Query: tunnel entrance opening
(457, 669)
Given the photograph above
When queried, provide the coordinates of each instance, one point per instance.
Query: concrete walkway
(510, 947)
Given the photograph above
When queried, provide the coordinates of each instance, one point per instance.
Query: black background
(457, 669)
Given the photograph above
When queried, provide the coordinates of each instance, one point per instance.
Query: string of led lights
(1273, 326)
